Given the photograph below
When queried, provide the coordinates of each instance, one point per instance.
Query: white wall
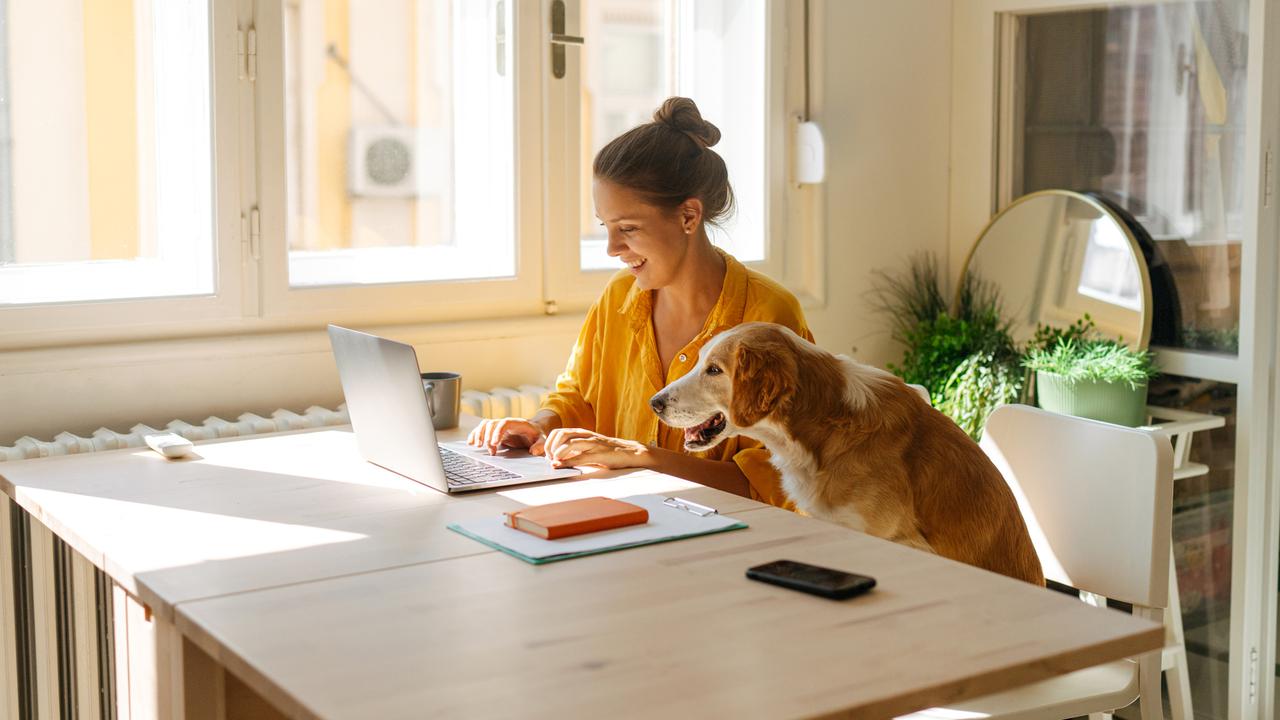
(42, 392)
(886, 120)
(885, 107)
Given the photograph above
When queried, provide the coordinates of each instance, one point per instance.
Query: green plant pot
(1109, 402)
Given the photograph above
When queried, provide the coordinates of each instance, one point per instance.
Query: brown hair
(669, 161)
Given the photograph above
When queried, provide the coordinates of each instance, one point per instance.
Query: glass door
(1146, 105)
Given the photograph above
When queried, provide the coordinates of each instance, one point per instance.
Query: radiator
(522, 401)
(500, 402)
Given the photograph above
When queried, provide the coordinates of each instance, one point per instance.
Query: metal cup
(444, 398)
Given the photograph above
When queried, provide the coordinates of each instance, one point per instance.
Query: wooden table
(330, 588)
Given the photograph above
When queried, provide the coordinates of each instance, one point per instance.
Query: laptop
(392, 422)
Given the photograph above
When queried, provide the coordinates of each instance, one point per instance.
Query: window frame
(98, 320)
(794, 263)
(399, 302)
(250, 290)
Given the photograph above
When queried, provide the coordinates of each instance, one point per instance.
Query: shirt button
(683, 357)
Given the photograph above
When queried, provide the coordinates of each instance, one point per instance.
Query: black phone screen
(814, 579)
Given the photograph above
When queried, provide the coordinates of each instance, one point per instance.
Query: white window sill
(33, 283)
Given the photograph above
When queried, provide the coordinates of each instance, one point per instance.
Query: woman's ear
(690, 215)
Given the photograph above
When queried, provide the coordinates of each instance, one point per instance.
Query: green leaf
(980, 384)
(1099, 360)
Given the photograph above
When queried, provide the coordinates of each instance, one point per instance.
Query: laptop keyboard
(462, 471)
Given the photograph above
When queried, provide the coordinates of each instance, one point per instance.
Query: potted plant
(966, 359)
(1099, 379)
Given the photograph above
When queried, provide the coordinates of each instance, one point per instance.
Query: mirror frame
(1145, 276)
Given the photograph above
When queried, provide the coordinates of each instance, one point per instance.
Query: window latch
(247, 54)
(251, 234)
(559, 39)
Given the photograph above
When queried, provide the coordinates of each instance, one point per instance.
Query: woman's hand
(575, 447)
(493, 435)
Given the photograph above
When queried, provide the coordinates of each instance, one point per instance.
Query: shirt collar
(729, 309)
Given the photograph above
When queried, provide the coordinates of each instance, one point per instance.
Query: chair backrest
(922, 391)
(1097, 499)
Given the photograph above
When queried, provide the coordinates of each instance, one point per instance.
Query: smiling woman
(657, 187)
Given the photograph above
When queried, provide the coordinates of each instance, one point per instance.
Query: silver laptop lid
(387, 404)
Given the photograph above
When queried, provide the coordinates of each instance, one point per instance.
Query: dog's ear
(763, 378)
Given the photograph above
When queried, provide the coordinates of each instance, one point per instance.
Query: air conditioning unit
(382, 161)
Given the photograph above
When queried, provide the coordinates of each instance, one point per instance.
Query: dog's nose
(658, 403)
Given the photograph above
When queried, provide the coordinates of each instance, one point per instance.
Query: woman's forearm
(719, 474)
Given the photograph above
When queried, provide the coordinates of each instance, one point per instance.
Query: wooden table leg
(204, 684)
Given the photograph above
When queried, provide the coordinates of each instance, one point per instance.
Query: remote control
(170, 445)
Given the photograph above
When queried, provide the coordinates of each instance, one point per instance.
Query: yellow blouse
(615, 368)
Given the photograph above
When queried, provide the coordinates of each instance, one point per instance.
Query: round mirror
(1054, 256)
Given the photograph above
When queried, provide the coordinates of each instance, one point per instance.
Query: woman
(656, 188)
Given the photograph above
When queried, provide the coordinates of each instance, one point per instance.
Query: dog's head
(742, 377)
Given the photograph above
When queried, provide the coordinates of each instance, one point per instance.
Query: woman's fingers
(479, 436)
(595, 455)
(582, 448)
(519, 433)
(553, 441)
(574, 447)
(476, 437)
(490, 433)
(504, 432)
(493, 435)
(560, 436)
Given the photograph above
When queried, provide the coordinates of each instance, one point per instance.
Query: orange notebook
(575, 517)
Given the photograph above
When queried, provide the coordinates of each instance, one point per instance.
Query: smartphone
(834, 584)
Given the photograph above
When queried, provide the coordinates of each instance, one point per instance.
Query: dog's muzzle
(658, 403)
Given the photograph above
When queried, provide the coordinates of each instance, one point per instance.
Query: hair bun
(680, 113)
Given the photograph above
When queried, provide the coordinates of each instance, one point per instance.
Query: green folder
(666, 523)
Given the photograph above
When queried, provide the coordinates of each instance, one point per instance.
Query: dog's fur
(854, 445)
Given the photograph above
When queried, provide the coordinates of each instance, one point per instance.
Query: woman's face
(651, 240)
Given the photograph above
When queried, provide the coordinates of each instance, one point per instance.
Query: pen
(690, 506)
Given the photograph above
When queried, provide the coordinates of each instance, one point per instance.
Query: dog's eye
(713, 370)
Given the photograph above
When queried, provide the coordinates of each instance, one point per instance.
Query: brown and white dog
(854, 445)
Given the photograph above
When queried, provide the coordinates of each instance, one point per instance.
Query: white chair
(1098, 501)
(922, 391)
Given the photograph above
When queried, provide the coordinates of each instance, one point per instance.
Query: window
(278, 164)
(400, 134)
(642, 52)
(1108, 273)
(1146, 104)
(718, 52)
(106, 167)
